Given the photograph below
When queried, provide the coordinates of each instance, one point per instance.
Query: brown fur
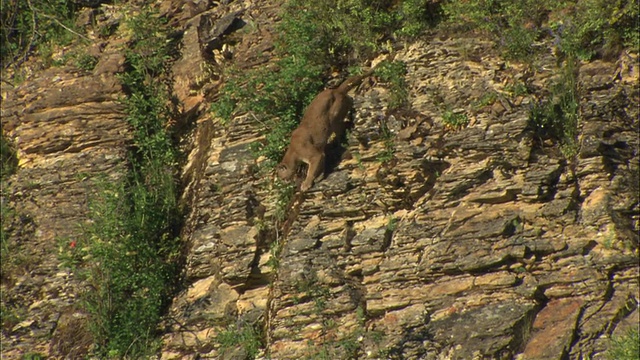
(324, 116)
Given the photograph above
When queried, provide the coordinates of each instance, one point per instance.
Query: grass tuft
(625, 346)
(557, 117)
(243, 337)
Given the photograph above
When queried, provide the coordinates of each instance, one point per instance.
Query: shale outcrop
(425, 241)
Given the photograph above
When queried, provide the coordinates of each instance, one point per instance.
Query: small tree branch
(64, 26)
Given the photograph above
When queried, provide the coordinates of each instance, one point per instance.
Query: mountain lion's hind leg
(316, 168)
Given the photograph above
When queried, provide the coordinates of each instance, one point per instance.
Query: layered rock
(68, 128)
(424, 242)
(473, 242)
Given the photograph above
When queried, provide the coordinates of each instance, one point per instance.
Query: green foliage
(415, 16)
(86, 62)
(10, 315)
(487, 99)
(8, 166)
(454, 120)
(334, 30)
(361, 315)
(71, 253)
(596, 26)
(625, 347)
(389, 145)
(8, 159)
(516, 89)
(130, 249)
(285, 191)
(514, 24)
(30, 24)
(393, 72)
(275, 248)
(132, 254)
(245, 336)
(520, 269)
(580, 28)
(392, 224)
(351, 345)
(33, 356)
(557, 117)
(316, 291)
(6, 216)
(276, 98)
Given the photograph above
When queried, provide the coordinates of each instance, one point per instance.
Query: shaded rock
(553, 330)
(498, 330)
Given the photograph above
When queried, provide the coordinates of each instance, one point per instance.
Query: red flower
(72, 244)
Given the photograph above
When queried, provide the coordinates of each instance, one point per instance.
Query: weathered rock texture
(68, 128)
(473, 243)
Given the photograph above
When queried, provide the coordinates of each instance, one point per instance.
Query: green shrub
(389, 145)
(278, 99)
(8, 159)
(86, 62)
(33, 356)
(130, 248)
(625, 347)
(393, 72)
(132, 270)
(10, 315)
(557, 117)
(339, 30)
(514, 24)
(39, 25)
(454, 120)
(487, 98)
(285, 191)
(415, 16)
(595, 26)
(579, 28)
(245, 336)
(8, 166)
(516, 89)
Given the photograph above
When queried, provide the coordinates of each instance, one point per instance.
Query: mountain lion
(324, 116)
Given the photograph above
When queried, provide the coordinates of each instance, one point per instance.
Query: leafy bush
(245, 337)
(29, 24)
(8, 159)
(285, 192)
(277, 98)
(514, 24)
(86, 62)
(393, 72)
(8, 166)
(595, 27)
(131, 246)
(454, 120)
(580, 28)
(33, 356)
(350, 29)
(132, 270)
(557, 117)
(387, 154)
(625, 347)
(417, 15)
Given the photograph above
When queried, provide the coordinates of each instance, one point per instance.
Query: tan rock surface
(473, 243)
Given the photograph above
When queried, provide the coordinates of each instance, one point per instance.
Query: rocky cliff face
(473, 242)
